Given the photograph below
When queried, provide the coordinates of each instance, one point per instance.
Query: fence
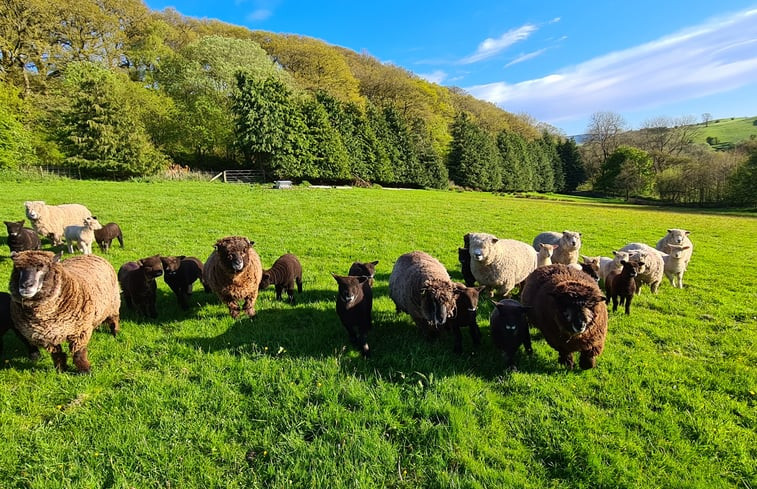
(241, 176)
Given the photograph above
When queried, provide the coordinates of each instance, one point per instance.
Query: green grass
(728, 130)
(282, 400)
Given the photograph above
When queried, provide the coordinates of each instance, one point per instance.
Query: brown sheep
(105, 236)
(360, 268)
(466, 308)
(569, 309)
(137, 280)
(179, 273)
(354, 303)
(463, 256)
(233, 273)
(6, 324)
(21, 238)
(622, 284)
(55, 302)
(283, 274)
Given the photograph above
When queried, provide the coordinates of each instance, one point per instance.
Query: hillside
(727, 131)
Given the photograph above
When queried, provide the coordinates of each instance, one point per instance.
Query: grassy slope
(200, 400)
(728, 131)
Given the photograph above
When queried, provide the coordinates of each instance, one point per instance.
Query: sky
(557, 61)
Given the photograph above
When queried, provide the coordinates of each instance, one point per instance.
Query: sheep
(83, 236)
(233, 273)
(6, 323)
(354, 303)
(179, 273)
(137, 280)
(106, 234)
(51, 220)
(675, 264)
(466, 308)
(509, 327)
(359, 268)
(544, 256)
(55, 301)
(569, 309)
(21, 238)
(569, 243)
(677, 237)
(606, 265)
(654, 267)
(283, 274)
(463, 256)
(500, 264)
(622, 284)
(420, 286)
(590, 266)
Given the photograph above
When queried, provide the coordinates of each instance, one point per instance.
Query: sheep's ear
(57, 257)
(670, 230)
(641, 264)
(687, 233)
(480, 288)
(94, 217)
(374, 263)
(181, 257)
(494, 240)
(362, 278)
(252, 243)
(686, 247)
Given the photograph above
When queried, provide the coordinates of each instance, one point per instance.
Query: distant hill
(727, 131)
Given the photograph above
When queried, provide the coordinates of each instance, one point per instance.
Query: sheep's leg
(510, 360)
(654, 286)
(70, 247)
(475, 334)
(638, 285)
(59, 358)
(628, 305)
(527, 342)
(81, 362)
(279, 290)
(113, 322)
(680, 280)
(566, 358)
(182, 297)
(233, 308)
(614, 303)
(290, 294)
(249, 306)
(587, 360)
(458, 338)
(299, 283)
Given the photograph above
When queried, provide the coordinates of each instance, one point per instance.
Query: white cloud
(259, 14)
(491, 47)
(437, 76)
(526, 57)
(710, 58)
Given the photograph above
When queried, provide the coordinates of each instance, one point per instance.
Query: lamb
(51, 220)
(569, 243)
(106, 234)
(6, 323)
(677, 237)
(233, 273)
(179, 273)
(21, 238)
(137, 280)
(54, 302)
(675, 264)
(354, 303)
(509, 326)
(654, 266)
(622, 284)
(283, 274)
(359, 268)
(500, 264)
(544, 256)
(466, 307)
(83, 236)
(590, 266)
(420, 286)
(606, 265)
(463, 256)
(569, 309)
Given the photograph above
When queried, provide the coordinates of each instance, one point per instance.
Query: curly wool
(231, 286)
(51, 220)
(504, 263)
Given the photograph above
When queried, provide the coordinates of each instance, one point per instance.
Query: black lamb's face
(14, 227)
(576, 313)
(152, 266)
(466, 304)
(171, 264)
(349, 287)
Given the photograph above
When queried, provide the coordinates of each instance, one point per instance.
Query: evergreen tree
(743, 182)
(473, 159)
(572, 164)
(327, 157)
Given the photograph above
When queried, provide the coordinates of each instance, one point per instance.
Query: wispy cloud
(437, 76)
(491, 47)
(262, 9)
(526, 57)
(259, 14)
(713, 57)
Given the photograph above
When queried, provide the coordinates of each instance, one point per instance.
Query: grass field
(199, 400)
(728, 130)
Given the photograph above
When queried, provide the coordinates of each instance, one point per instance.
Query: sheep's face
(152, 266)
(438, 304)
(571, 239)
(575, 313)
(349, 287)
(589, 270)
(171, 264)
(676, 251)
(481, 247)
(620, 256)
(92, 223)
(265, 281)
(546, 250)
(363, 268)
(14, 228)
(34, 209)
(676, 236)
(510, 317)
(233, 252)
(466, 304)
(31, 268)
(640, 258)
(631, 268)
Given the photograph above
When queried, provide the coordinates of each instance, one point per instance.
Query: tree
(326, 158)
(603, 135)
(626, 171)
(665, 138)
(743, 182)
(572, 164)
(473, 159)
(706, 118)
(16, 142)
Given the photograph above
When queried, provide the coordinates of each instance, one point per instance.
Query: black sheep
(137, 281)
(509, 327)
(21, 238)
(622, 284)
(6, 323)
(284, 273)
(354, 303)
(466, 308)
(105, 236)
(179, 273)
(359, 268)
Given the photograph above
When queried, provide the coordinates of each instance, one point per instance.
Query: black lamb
(21, 238)
(137, 281)
(284, 273)
(105, 236)
(179, 273)
(354, 303)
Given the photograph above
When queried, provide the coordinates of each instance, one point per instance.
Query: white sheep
(51, 220)
(675, 264)
(654, 269)
(677, 237)
(500, 264)
(83, 236)
(544, 256)
(569, 243)
(607, 265)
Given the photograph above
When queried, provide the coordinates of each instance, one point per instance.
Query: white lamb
(500, 264)
(544, 256)
(569, 243)
(676, 237)
(675, 264)
(607, 265)
(654, 266)
(82, 236)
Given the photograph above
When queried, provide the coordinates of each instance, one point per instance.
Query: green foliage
(16, 142)
(517, 164)
(326, 158)
(743, 182)
(572, 164)
(627, 171)
(473, 158)
(727, 131)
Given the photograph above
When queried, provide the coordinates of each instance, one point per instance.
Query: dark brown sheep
(463, 256)
(179, 273)
(622, 284)
(283, 274)
(105, 236)
(21, 238)
(137, 281)
(466, 307)
(569, 309)
(354, 303)
(6, 323)
(233, 273)
(359, 268)
(509, 327)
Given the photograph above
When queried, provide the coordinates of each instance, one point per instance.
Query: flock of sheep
(54, 301)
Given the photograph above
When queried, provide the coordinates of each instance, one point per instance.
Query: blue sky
(557, 61)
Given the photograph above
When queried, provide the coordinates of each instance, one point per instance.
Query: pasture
(197, 399)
